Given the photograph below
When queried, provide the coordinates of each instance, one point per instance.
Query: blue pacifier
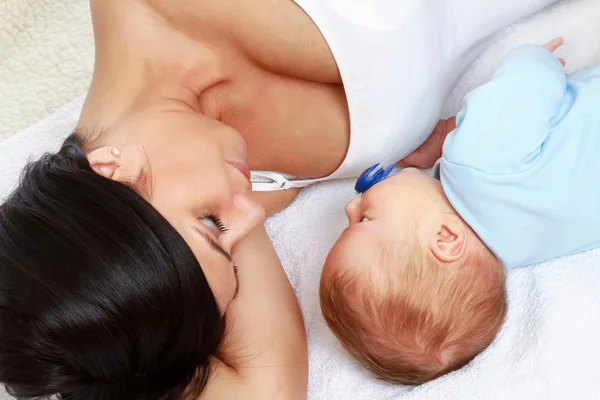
(371, 177)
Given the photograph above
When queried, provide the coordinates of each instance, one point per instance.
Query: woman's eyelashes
(214, 222)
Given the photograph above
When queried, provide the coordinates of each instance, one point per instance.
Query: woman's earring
(115, 152)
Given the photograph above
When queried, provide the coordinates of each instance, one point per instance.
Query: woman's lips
(242, 167)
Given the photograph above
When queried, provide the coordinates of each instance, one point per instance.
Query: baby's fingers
(554, 44)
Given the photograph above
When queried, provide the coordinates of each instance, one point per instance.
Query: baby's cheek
(335, 259)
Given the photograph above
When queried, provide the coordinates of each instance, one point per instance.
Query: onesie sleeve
(504, 124)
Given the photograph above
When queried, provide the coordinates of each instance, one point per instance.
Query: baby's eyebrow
(214, 244)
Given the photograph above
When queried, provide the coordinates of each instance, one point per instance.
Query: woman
(118, 254)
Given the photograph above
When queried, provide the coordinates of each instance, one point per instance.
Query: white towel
(547, 349)
(31, 143)
(549, 344)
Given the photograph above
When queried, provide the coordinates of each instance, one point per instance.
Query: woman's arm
(265, 355)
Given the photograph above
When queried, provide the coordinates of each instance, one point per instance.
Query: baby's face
(402, 209)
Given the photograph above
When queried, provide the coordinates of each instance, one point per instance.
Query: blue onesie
(523, 165)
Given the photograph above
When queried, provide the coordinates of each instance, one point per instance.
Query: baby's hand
(430, 151)
(555, 44)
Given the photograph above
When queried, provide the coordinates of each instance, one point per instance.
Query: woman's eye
(364, 220)
(214, 222)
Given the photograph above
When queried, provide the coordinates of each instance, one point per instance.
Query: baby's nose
(353, 211)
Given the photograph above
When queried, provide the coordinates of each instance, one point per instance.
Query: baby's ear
(450, 241)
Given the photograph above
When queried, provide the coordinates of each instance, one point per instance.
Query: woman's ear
(105, 161)
(450, 242)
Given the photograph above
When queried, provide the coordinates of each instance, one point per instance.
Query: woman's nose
(244, 217)
(353, 211)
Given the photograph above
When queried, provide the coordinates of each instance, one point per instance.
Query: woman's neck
(135, 49)
(271, 94)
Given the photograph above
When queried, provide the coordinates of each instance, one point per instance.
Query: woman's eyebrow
(214, 244)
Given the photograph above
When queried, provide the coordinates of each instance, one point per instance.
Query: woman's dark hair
(100, 297)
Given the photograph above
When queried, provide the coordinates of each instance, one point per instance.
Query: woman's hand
(430, 151)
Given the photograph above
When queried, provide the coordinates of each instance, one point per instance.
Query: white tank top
(398, 60)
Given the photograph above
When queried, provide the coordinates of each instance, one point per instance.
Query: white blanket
(46, 58)
(549, 345)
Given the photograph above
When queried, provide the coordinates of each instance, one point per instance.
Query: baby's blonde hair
(411, 324)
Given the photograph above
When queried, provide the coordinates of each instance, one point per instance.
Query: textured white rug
(46, 59)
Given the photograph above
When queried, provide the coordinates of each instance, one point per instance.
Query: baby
(415, 287)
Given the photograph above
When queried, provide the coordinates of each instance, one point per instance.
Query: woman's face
(195, 172)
